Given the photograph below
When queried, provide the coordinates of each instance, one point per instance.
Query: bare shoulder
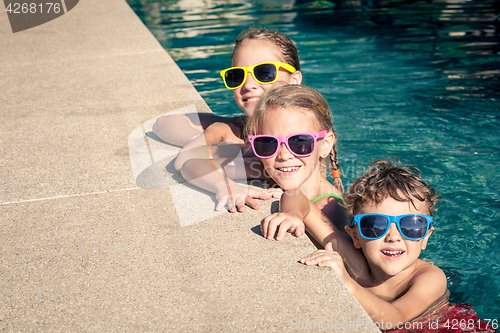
(430, 277)
(426, 285)
(332, 206)
(328, 194)
(424, 267)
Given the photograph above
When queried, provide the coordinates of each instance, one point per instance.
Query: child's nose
(283, 152)
(393, 234)
(250, 82)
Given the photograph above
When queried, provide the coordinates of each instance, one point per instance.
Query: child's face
(289, 171)
(392, 254)
(251, 52)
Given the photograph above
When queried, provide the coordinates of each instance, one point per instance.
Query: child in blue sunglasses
(261, 59)
(391, 209)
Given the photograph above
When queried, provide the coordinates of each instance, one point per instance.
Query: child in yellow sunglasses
(261, 59)
(269, 55)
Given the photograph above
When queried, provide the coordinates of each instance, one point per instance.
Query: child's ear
(353, 232)
(296, 78)
(327, 144)
(424, 242)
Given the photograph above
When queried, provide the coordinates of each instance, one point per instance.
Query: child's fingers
(240, 205)
(332, 263)
(220, 204)
(273, 224)
(259, 194)
(282, 229)
(230, 206)
(288, 225)
(225, 201)
(299, 230)
(308, 260)
(316, 257)
(269, 225)
(335, 263)
(265, 223)
(274, 192)
(250, 202)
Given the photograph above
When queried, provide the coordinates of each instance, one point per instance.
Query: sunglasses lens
(265, 73)
(413, 227)
(373, 226)
(301, 144)
(234, 77)
(265, 146)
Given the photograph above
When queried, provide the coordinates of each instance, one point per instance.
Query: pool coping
(84, 247)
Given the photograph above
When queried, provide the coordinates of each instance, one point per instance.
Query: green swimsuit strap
(328, 195)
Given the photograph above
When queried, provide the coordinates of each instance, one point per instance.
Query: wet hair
(295, 96)
(384, 179)
(286, 46)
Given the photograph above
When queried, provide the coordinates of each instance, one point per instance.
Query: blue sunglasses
(374, 226)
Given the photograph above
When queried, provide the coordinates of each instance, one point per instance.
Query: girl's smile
(288, 170)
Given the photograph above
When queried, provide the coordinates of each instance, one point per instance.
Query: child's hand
(275, 192)
(283, 222)
(327, 258)
(238, 197)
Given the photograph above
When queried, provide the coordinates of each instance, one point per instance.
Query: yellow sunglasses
(263, 73)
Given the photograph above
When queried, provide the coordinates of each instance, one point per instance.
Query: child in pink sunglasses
(291, 132)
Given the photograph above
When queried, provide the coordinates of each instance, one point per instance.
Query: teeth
(288, 169)
(392, 253)
(253, 99)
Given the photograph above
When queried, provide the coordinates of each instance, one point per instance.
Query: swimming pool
(412, 80)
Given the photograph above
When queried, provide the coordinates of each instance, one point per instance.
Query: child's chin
(288, 186)
(248, 109)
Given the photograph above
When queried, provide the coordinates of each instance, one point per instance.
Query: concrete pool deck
(84, 248)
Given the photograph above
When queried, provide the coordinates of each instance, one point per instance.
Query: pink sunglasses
(300, 144)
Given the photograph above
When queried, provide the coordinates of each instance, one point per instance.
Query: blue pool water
(412, 80)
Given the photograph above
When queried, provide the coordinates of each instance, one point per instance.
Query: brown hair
(295, 96)
(286, 46)
(383, 179)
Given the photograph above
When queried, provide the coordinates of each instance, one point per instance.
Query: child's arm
(208, 175)
(297, 212)
(425, 287)
(180, 129)
(199, 147)
(213, 168)
(177, 130)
